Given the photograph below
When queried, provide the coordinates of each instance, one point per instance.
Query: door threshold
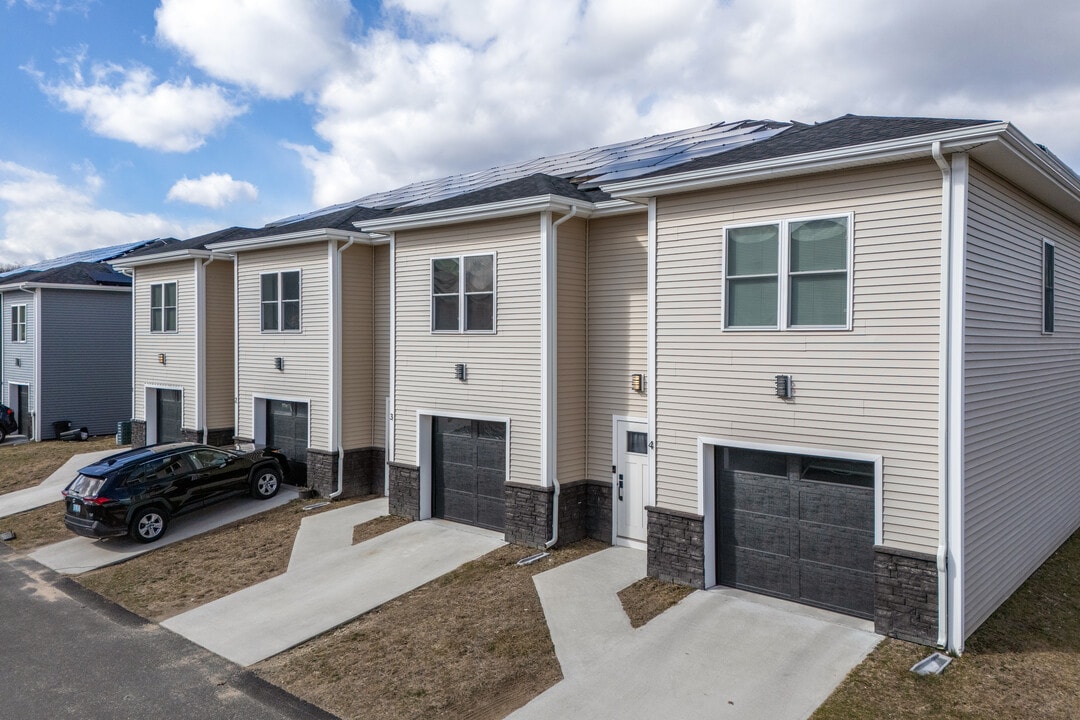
(631, 543)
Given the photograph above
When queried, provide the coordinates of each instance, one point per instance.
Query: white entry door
(631, 479)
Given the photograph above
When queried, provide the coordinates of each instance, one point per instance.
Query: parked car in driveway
(138, 492)
(8, 423)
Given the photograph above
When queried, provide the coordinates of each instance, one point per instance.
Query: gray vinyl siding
(306, 354)
(23, 373)
(357, 346)
(504, 368)
(617, 332)
(178, 370)
(1021, 458)
(85, 359)
(219, 332)
(873, 389)
(381, 343)
(572, 355)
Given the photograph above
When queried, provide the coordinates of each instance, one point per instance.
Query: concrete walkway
(49, 489)
(330, 581)
(719, 653)
(80, 554)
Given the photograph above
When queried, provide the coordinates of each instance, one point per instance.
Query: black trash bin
(60, 427)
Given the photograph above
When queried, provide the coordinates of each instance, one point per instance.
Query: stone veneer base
(676, 550)
(905, 595)
(529, 507)
(362, 472)
(404, 497)
(138, 433)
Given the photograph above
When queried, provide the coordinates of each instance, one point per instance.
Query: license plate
(76, 508)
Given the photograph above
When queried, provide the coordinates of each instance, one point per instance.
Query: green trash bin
(123, 432)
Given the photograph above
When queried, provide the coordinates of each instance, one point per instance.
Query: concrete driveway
(719, 653)
(49, 489)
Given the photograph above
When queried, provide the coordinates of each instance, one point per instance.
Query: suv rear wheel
(265, 482)
(148, 524)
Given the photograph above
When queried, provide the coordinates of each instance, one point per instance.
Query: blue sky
(129, 120)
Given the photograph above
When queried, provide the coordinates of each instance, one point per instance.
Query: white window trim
(22, 340)
(281, 303)
(175, 307)
(461, 294)
(783, 274)
(1043, 288)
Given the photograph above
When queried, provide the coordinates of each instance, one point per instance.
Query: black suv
(8, 423)
(136, 492)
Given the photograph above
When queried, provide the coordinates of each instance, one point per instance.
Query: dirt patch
(376, 527)
(182, 576)
(1022, 663)
(37, 528)
(648, 597)
(471, 644)
(26, 465)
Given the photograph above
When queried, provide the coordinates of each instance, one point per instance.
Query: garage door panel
(837, 589)
(458, 450)
(469, 471)
(758, 493)
(453, 426)
(831, 545)
(834, 504)
(491, 454)
(459, 506)
(491, 484)
(759, 571)
(755, 531)
(489, 430)
(490, 513)
(459, 478)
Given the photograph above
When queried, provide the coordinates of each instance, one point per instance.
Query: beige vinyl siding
(178, 371)
(571, 428)
(1021, 458)
(381, 343)
(873, 389)
(306, 354)
(357, 349)
(503, 369)
(618, 326)
(220, 329)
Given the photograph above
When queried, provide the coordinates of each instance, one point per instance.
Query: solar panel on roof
(94, 255)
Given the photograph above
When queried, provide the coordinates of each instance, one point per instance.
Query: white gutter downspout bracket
(549, 284)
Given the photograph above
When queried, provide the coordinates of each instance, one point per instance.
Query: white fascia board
(821, 161)
(167, 257)
(299, 238)
(507, 208)
(65, 286)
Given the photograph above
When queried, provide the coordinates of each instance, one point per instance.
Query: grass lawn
(471, 644)
(1024, 662)
(648, 597)
(27, 464)
(182, 576)
(37, 528)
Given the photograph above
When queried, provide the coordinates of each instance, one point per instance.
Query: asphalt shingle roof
(79, 273)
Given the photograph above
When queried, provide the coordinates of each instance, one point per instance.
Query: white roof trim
(169, 256)
(64, 286)
(505, 208)
(296, 238)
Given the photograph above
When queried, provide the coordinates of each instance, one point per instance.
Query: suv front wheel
(265, 482)
(148, 524)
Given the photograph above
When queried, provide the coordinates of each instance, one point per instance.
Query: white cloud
(277, 47)
(41, 214)
(128, 104)
(436, 87)
(214, 190)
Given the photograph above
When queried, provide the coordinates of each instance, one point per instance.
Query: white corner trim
(650, 364)
(390, 440)
(200, 343)
(548, 350)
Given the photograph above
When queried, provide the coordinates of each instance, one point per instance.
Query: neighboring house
(66, 346)
(823, 362)
(183, 333)
(311, 315)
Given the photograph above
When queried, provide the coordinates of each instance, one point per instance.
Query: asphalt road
(67, 653)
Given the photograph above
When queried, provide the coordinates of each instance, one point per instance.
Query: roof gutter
(296, 238)
(167, 256)
(28, 286)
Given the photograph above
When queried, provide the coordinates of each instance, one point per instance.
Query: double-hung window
(280, 301)
(18, 323)
(1048, 286)
(163, 307)
(788, 274)
(463, 294)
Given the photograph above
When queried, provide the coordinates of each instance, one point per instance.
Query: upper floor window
(463, 294)
(18, 323)
(789, 274)
(280, 300)
(163, 307)
(1048, 286)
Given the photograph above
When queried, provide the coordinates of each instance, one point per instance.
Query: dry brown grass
(1024, 662)
(27, 464)
(37, 528)
(376, 527)
(648, 597)
(182, 576)
(472, 644)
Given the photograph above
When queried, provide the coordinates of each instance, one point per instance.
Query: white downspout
(200, 353)
(336, 299)
(552, 348)
(943, 415)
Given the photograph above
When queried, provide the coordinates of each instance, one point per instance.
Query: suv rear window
(87, 485)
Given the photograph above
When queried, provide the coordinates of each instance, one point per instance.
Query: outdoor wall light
(18, 362)
(279, 363)
(461, 371)
(783, 386)
(637, 382)
(161, 358)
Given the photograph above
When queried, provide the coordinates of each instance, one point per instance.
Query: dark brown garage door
(170, 412)
(797, 527)
(287, 430)
(469, 471)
